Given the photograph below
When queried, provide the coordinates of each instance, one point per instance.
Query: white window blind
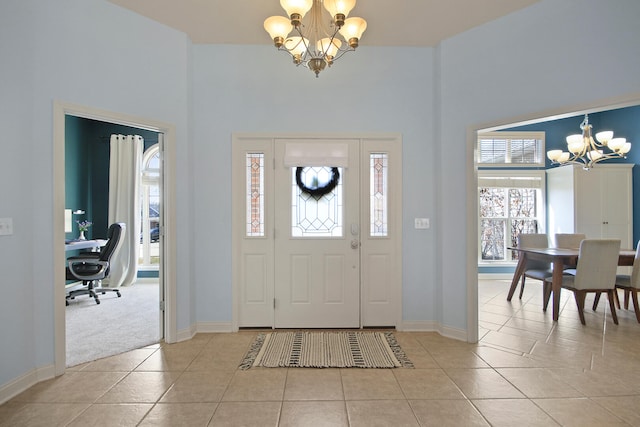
(511, 148)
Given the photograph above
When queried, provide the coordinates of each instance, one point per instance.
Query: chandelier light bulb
(554, 155)
(626, 148)
(574, 139)
(329, 46)
(576, 147)
(296, 45)
(278, 28)
(296, 9)
(352, 30)
(594, 155)
(604, 137)
(616, 143)
(339, 9)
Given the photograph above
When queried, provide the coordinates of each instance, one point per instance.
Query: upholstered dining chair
(595, 272)
(630, 284)
(92, 267)
(536, 269)
(568, 241)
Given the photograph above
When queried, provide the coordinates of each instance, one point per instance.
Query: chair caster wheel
(118, 293)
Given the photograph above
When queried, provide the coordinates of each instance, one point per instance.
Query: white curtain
(125, 165)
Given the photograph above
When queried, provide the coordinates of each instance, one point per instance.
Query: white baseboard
(419, 326)
(430, 326)
(453, 333)
(210, 327)
(495, 276)
(22, 383)
(186, 334)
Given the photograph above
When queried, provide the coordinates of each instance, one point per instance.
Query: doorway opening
(161, 276)
(545, 122)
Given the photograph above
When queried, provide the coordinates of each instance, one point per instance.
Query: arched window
(150, 195)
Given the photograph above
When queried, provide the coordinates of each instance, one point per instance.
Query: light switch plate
(6, 226)
(422, 223)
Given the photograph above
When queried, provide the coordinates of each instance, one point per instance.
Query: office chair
(92, 267)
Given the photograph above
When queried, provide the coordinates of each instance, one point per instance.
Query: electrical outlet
(422, 223)
(6, 226)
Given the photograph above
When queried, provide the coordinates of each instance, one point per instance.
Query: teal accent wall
(87, 171)
(76, 173)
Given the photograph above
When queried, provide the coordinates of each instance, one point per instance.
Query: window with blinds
(511, 149)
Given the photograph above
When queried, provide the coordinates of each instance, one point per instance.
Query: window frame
(510, 136)
(149, 177)
(541, 208)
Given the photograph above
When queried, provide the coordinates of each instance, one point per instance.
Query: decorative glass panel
(378, 163)
(315, 215)
(255, 194)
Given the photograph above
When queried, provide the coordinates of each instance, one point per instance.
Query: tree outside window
(505, 212)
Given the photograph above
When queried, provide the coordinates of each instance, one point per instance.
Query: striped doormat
(345, 349)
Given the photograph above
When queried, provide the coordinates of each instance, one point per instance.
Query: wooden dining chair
(568, 240)
(630, 284)
(595, 272)
(536, 269)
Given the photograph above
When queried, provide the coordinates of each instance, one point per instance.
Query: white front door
(307, 260)
(317, 241)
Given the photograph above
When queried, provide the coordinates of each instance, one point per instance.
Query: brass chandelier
(319, 40)
(585, 151)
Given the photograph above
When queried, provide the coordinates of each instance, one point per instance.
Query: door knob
(355, 244)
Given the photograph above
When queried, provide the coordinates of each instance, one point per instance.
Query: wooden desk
(559, 258)
(84, 244)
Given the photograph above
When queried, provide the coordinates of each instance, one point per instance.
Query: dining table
(560, 259)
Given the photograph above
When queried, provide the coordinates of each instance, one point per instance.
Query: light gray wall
(552, 55)
(90, 53)
(17, 331)
(257, 89)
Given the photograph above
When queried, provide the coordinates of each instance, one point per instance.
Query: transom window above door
(511, 149)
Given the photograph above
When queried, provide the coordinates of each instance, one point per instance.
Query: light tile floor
(526, 370)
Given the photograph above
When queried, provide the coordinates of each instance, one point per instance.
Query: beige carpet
(345, 349)
(115, 325)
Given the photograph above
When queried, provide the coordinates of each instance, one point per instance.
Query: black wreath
(320, 190)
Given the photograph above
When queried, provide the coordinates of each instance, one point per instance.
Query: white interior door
(317, 238)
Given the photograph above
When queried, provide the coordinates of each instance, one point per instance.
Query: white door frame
(239, 224)
(60, 110)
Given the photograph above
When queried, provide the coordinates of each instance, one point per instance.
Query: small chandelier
(315, 43)
(585, 151)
